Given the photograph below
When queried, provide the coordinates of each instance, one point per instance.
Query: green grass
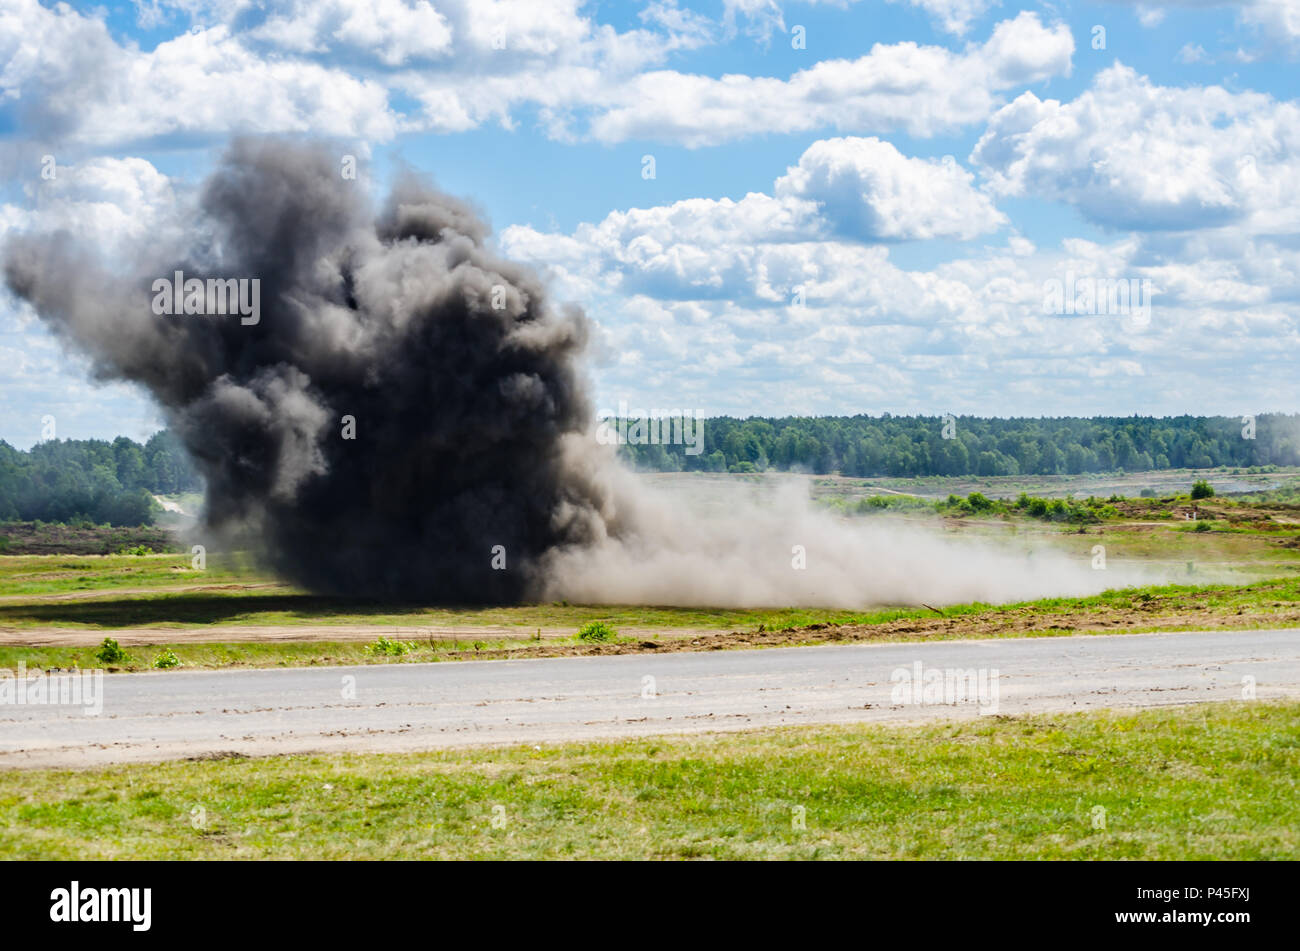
(212, 656)
(1256, 605)
(43, 575)
(1205, 782)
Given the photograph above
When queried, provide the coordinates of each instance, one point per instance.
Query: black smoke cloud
(472, 422)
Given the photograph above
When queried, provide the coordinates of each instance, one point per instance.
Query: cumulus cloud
(1134, 155)
(340, 67)
(920, 89)
(770, 301)
(394, 31)
(329, 68)
(116, 204)
(973, 333)
(866, 188)
(841, 194)
(71, 80)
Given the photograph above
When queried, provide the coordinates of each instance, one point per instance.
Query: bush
(110, 652)
(596, 631)
(1202, 527)
(137, 550)
(1202, 489)
(166, 659)
(1148, 493)
(388, 648)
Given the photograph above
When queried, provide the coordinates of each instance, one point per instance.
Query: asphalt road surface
(171, 715)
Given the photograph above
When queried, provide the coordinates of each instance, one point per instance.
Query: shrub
(1202, 489)
(166, 659)
(110, 652)
(1202, 527)
(387, 648)
(596, 631)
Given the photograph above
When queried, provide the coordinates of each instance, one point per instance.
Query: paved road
(423, 706)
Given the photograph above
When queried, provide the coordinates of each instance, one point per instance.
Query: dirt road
(158, 716)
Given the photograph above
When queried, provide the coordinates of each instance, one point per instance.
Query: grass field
(1209, 782)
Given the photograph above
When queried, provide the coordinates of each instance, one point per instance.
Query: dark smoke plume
(472, 426)
(471, 420)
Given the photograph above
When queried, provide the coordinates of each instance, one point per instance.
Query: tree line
(112, 483)
(908, 446)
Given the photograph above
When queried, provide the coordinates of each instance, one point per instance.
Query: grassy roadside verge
(1131, 610)
(1202, 782)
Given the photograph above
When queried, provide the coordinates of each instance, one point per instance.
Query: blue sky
(865, 224)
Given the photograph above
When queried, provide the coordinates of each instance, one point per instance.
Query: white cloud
(699, 301)
(394, 31)
(841, 192)
(1131, 154)
(76, 83)
(324, 68)
(953, 16)
(1193, 53)
(762, 17)
(113, 204)
(333, 67)
(1150, 16)
(867, 189)
(920, 89)
(1279, 18)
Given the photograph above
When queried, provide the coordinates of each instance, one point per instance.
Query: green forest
(113, 482)
(907, 446)
(72, 480)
